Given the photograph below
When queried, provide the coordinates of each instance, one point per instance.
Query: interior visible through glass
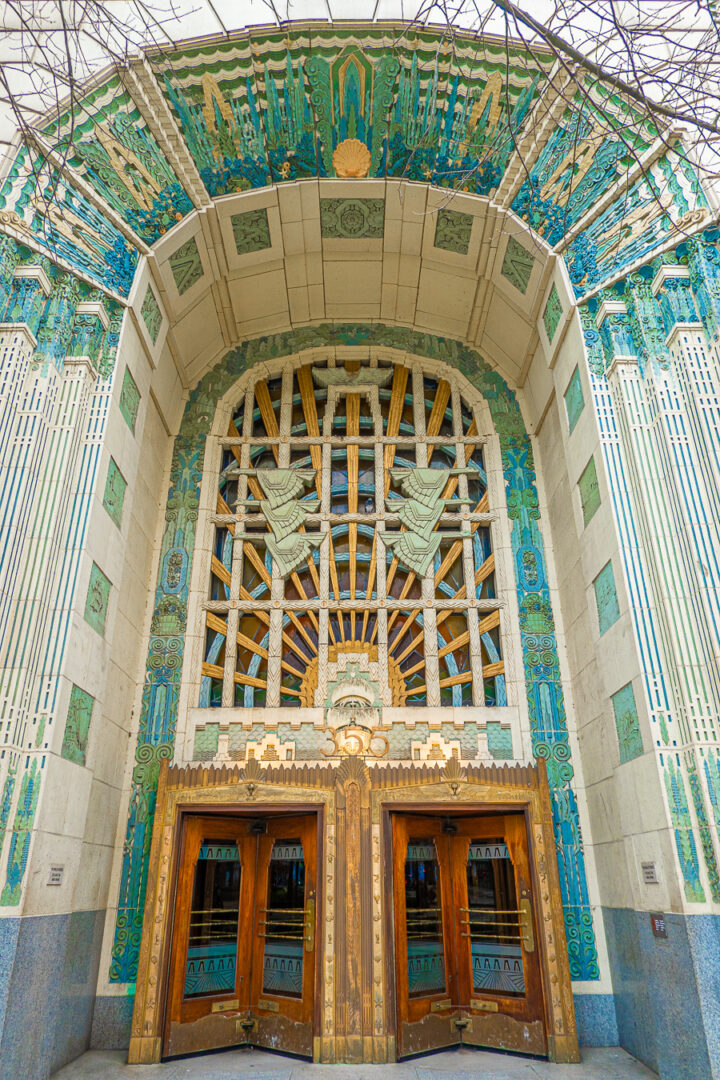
(283, 920)
(493, 920)
(425, 949)
(212, 943)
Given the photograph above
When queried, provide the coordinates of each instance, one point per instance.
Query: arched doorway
(345, 582)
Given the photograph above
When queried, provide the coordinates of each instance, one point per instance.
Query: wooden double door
(466, 955)
(242, 964)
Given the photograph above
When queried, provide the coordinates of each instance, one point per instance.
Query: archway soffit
(174, 131)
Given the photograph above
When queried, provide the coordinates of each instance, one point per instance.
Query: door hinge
(462, 1023)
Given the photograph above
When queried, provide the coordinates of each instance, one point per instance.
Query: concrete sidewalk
(608, 1063)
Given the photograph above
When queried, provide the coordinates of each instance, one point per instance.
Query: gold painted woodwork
(369, 793)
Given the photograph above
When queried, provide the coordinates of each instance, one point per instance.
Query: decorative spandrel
(352, 509)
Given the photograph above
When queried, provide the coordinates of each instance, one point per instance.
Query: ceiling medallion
(351, 158)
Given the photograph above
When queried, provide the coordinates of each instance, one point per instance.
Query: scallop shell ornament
(351, 158)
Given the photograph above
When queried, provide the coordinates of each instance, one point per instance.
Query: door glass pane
(426, 953)
(493, 920)
(212, 945)
(283, 920)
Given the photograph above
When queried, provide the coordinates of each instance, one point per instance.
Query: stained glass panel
(423, 915)
(212, 942)
(283, 921)
(352, 510)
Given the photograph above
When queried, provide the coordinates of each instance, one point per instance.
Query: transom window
(353, 532)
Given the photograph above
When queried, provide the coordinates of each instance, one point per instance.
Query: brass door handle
(526, 925)
(309, 927)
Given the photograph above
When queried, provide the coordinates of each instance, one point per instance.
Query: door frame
(175, 804)
(506, 795)
(355, 1010)
(469, 811)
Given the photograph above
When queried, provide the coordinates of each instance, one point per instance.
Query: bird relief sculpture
(285, 511)
(420, 511)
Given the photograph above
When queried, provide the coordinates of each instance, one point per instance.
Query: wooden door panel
(239, 973)
(284, 957)
(209, 983)
(492, 994)
(502, 981)
(426, 974)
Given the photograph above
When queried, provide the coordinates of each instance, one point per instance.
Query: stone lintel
(666, 273)
(94, 307)
(38, 274)
(609, 307)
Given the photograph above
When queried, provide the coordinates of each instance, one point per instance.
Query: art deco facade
(359, 581)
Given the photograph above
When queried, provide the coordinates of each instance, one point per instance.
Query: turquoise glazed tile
(352, 219)
(452, 231)
(606, 598)
(574, 400)
(251, 231)
(589, 492)
(627, 724)
(129, 400)
(517, 265)
(499, 740)
(77, 726)
(115, 488)
(151, 314)
(186, 266)
(98, 596)
(552, 313)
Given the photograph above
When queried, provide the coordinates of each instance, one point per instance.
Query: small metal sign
(658, 924)
(484, 1006)
(225, 1006)
(649, 873)
(268, 1006)
(55, 875)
